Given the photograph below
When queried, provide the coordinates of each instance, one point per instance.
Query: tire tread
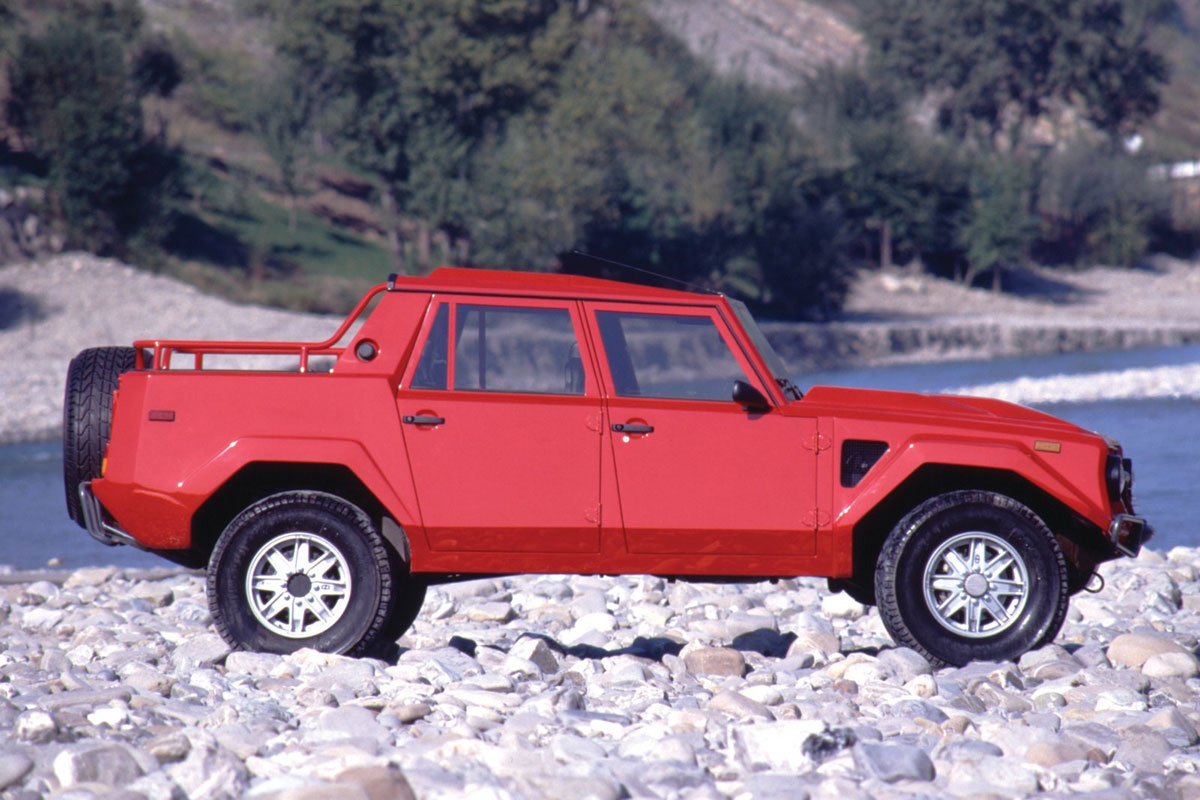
(370, 640)
(910, 524)
(92, 377)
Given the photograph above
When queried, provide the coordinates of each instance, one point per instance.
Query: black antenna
(574, 254)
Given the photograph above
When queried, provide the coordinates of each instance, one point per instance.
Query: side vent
(858, 456)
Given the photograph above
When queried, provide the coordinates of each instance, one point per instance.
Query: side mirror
(750, 398)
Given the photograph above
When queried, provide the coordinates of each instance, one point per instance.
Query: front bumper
(1128, 533)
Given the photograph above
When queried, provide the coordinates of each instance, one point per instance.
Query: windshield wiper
(790, 388)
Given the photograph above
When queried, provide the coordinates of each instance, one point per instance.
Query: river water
(1157, 422)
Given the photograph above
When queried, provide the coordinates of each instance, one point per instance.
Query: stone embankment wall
(823, 346)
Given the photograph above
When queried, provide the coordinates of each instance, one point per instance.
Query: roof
(539, 284)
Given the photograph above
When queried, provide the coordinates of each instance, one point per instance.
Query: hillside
(774, 43)
(234, 235)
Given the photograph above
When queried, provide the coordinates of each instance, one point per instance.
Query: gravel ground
(49, 311)
(114, 685)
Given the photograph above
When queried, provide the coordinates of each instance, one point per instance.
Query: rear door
(501, 418)
(697, 473)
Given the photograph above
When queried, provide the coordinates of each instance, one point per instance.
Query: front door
(697, 474)
(502, 424)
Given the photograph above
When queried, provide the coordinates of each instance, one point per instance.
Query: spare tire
(92, 378)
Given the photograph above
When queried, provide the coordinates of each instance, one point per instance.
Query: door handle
(421, 419)
(630, 427)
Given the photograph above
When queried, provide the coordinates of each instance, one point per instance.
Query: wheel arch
(1081, 542)
(261, 479)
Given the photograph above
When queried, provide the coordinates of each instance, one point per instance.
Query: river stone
(1171, 665)
(36, 726)
(149, 680)
(534, 649)
(209, 772)
(715, 661)
(1134, 649)
(108, 764)
(200, 651)
(410, 712)
(156, 595)
(739, 705)
(893, 762)
(258, 665)
(13, 767)
(842, 606)
(1178, 729)
(349, 722)
(89, 576)
(378, 782)
(1143, 748)
(490, 612)
(1052, 752)
(904, 664)
(778, 745)
(168, 747)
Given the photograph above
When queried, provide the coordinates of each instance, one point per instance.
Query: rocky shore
(114, 685)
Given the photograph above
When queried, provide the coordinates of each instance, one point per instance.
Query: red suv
(481, 422)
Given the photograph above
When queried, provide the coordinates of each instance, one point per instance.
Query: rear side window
(503, 349)
(667, 356)
(431, 369)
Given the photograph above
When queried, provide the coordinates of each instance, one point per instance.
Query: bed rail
(160, 351)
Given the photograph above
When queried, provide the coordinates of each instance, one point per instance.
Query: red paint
(498, 480)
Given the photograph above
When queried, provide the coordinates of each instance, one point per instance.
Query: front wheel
(302, 569)
(971, 575)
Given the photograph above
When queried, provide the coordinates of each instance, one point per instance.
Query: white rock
(777, 745)
(842, 606)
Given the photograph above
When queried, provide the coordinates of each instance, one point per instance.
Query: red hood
(939, 406)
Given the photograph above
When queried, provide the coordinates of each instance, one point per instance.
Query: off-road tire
(360, 627)
(410, 597)
(92, 377)
(916, 545)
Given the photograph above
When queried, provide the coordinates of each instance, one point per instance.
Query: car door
(697, 473)
(502, 423)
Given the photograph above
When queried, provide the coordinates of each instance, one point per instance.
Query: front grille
(858, 456)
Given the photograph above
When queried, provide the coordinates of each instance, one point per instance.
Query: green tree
(416, 85)
(995, 64)
(283, 117)
(894, 181)
(998, 229)
(1099, 205)
(76, 106)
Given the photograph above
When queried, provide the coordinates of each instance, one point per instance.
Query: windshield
(779, 370)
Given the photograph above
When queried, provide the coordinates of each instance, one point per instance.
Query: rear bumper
(94, 520)
(1128, 533)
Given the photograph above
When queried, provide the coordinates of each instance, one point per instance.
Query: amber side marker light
(1047, 447)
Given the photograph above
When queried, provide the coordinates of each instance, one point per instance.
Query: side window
(502, 349)
(431, 369)
(667, 356)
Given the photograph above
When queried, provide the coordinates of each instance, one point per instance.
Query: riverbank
(49, 311)
(112, 683)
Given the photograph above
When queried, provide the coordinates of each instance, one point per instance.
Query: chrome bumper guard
(1128, 533)
(93, 520)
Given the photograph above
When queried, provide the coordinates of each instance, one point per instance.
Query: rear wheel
(972, 575)
(302, 569)
(92, 377)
